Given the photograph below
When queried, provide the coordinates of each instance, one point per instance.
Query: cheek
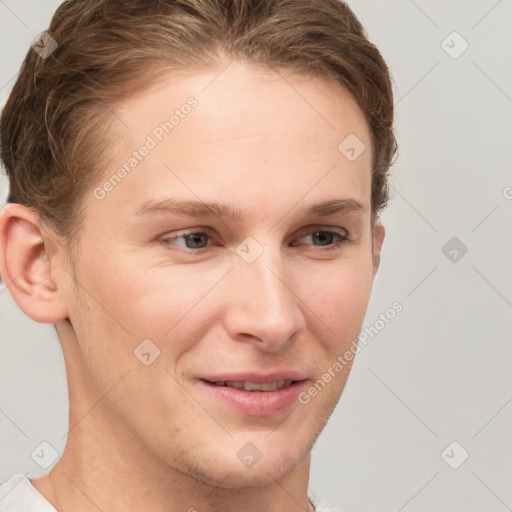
(170, 305)
(341, 298)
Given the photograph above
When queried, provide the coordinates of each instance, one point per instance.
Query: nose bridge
(263, 306)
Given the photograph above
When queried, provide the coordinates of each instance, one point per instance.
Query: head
(265, 128)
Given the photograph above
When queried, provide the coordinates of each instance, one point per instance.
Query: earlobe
(25, 265)
(379, 232)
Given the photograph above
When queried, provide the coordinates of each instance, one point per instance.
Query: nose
(263, 304)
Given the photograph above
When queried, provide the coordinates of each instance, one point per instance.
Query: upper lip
(255, 376)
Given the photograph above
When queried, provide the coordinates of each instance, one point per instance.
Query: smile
(253, 397)
(255, 386)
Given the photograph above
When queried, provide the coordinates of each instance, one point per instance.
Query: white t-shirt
(19, 495)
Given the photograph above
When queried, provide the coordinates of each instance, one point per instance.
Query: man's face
(270, 295)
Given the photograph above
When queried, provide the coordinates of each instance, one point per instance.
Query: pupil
(323, 235)
(195, 238)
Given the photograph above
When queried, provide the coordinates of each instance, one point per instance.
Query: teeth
(255, 386)
(235, 384)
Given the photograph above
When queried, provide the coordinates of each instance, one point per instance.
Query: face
(263, 291)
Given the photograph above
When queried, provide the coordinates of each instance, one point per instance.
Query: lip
(254, 403)
(255, 376)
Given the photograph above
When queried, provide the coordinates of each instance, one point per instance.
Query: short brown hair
(54, 136)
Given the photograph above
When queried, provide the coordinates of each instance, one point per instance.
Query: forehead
(246, 134)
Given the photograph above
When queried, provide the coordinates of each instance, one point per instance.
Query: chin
(262, 476)
(234, 474)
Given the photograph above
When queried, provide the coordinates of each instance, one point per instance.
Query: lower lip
(256, 403)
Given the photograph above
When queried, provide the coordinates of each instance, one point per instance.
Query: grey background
(440, 370)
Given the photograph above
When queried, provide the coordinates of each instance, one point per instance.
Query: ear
(25, 265)
(379, 231)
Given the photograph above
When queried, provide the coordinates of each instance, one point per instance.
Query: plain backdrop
(424, 423)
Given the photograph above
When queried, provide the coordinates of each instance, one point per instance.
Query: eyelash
(336, 231)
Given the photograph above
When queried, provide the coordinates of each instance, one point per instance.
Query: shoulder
(18, 495)
(321, 505)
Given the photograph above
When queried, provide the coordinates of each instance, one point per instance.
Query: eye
(197, 241)
(194, 240)
(325, 237)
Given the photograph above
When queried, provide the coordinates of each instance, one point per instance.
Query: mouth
(255, 386)
(252, 394)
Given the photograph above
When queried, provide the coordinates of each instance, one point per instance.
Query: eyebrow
(202, 209)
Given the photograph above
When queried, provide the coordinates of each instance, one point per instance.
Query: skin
(150, 437)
